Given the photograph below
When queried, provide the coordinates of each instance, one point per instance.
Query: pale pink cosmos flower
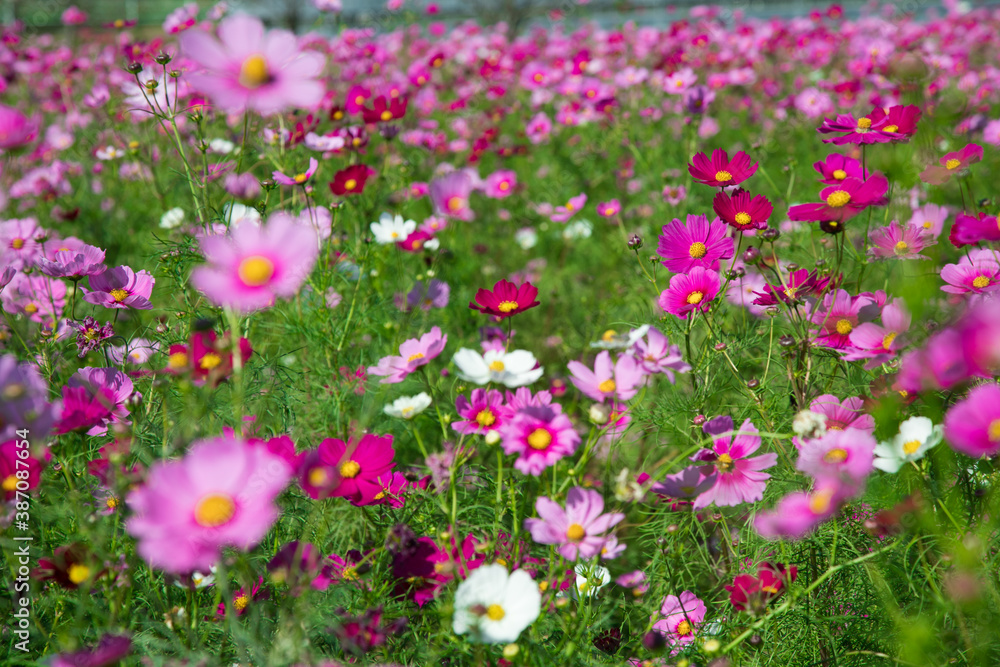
(254, 265)
(680, 81)
(579, 529)
(844, 455)
(248, 68)
(19, 247)
(976, 273)
(878, 344)
(564, 213)
(739, 477)
(15, 128)
(842, 415)
(413, 354)
(220, 494)
(540, 435)
(680, 618)
(450, 195)
(930, 218)
(899, 242)
(298, 179)
(657, 355)
(538, 128)
(798, 514)
(620, 380)
(39, 298)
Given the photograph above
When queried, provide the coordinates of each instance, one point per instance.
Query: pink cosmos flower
(697, 242)
(253, 266)
(739, 477)
(357, 470)
(297, 179)
(844, 201)
(608, 209)
(843, 415)
(899, 242)
(976, 273)
(931, 219)
(797, 285)
(879, 344)
(541, 435)
(720, 171)
(120, 287)
(837, 317)
(73, 264)
(798, 514)
(860, 131)
(657, 355)
(18, 245)
(538, 128)
(247, 68)
(579, 529)
(972, 426)
(564, 213)
(73, 15)
(970, 229)
(500, 184)
(952, 163)
(15, 128)
(742, 291)
(741, 211)
(450, 195)
(39, 298)
(620, 380)
(483, 411)
(220, 494)
(690, 292)
(680, 618)
(674, 194)
(11, 462)
(836, 168)
(844, 455)
(110, 388)
(680, 81)
(413, 354)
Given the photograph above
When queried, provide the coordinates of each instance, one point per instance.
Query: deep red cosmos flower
(383, 112)
(351, 181)
(844, 201)
(743, 211)
(751, 594)
(206, 357)
(799, 284)
(720, 171)
(506, 299)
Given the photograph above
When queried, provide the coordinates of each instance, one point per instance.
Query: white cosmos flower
(579, 229)
(408, 407)
(493, 607)
(590, 578)
(526, 237)
(612, 340)
(108, 153)
(392, 229)
(511, 369)
(916, 436)
(199, 580)
(223, 146)
(172, 218)
(237, 213)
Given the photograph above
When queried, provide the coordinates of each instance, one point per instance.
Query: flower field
(444, 345)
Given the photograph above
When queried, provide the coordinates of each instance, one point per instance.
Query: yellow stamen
(683, 628)
(350, 184)
(697, 250)
(178, 360)
(210, 361)
(385, 116)
(10, 483)
(844, 327)
(743, 218)
(78, 573)
(215, 510)
(417, 355)
(607, 386)
(318, 477)
(820, 501)
(486, 418)
(839, 174)
(838, 199)
(300, 178)
(495, 612)
(241, 602)
(496, 366)
(255, 270)
(724, 462)
(864, 124)
(888, 339)
(723, 176)
(901, 248)
(994, 430)
(952, 164)
(119, 295)
(837, 455)
(539, 439)
(350, 469)
(890, 128)
(507, 306)
(695, 297)
(253, 72)
(911, 447)
(17, 244)
(575, 532)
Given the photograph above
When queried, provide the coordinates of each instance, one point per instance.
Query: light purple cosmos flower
(298, 179)
(575, 204)
(899, 242)
(739, 477)
(120, 287)
(73, 264)
(620, 380)
(656, 355)
(579, 529)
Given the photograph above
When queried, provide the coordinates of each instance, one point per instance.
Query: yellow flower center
(486, 418)
(318, 477)
(575, 532)
(111, 503)
(928, 224)
(412, 357)
(901, 248)
(386, 115)
(695, 297)
(31, 308)
(210, 361)
(838, 199)
(253, 72)
(214, 510)
(496, 366)
(350, 469)
(844, 327)
(839, 174)
(723, 176)
(697, 250)
(743, 218)
(507, 306)
(836, 455)
(300, 178)
(539, 439)
(609, 210)
(888, 339)
(994, 430)
(607, 386)
(349, 573)
(241, 602)
(683, 628)
(10, 483)
(456, 203)
(495, 612)
(609, 335)
(890, 128)
(724, 462)
(952, 164)
(178, 360)
(256, 270)
(119, 295)
(569, 206)
(911, 446)
(78, 573)
(538, 78)
(17, 244)
(819, 502)
(980, 282)
(350, 184)
(864, 123)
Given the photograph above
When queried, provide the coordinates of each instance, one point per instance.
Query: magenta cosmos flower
(107, 391)
(952, 163)
(742, 211)
(739, 479)
(898, 241)
(220, 494)
(798, 514)
(252, 266)
(837, 317)
(844, 201)
(579, 530)
(697, 242)
(297, 179)
(844, 455)
(248, 68)
(880, 343)
(842, 415)
(836, 168)
(506, 299)
(564, 213)
(680, 618)
(500, 184)
(720, 171)
(970, 229)
(690, 292)
(607, 209)
(413, 354)
(120, 287)
(798, 285)
(860, 131)
(972, 426)
(483, 411)
(540, 435)
(976, 273)
(620, 380)
(358, 470)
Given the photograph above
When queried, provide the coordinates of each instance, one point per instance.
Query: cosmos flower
(540, 436)
(351, 180)
(797, 286)
(690, 292)
(579, 529)
(483, 411)
(899, 242)
(353, 470)
(972, 426)
(752, 594)
(413, 354)
(408, 407)
(450, 195)
(696, 243)
(844, 201)
(494, 607)
(564, 213)
(855, 131)
(248, 68)
(969, 229)
(298, 179)
(73, 264)
(120, 287)
(837, 316)
(977, 272)
(836, 168)
(741, 211)
(843, 455)
(738, 475)
(931, 219)
(880, 343)
(916, 436)
(799, 513)
(512, 369)
(680, 618)
(392, 229)
(720, 171)
(843, 415)
(620, 380)
(506, 299)
(956, 162)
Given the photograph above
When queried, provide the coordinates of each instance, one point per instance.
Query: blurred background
(302, 15)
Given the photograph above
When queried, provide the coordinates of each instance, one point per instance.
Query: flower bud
(599, 414)
(133, 68)
(163, 58)
(751, 255)
(492, 437)
(770, 234)
(510, 651)
(635, 242)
